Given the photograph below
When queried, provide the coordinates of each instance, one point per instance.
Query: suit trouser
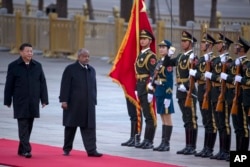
(88, 138)
(25, 126)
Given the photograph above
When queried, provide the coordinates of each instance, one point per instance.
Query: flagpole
(171, 18)
(137, 25)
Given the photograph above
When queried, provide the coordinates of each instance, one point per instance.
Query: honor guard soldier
(240, 77)
(203, 95)
(218, 96)
(163, 84)
(144, 66)
(182, 63)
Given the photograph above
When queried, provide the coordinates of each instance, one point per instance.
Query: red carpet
(44, 155)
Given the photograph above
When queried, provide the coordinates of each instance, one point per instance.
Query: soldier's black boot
(149, 137)
(191, 143)
(162, 139)
(137, 136)
(199, 154)
(166, 145)
(132, 134)
(225, 147)
(221, 147)
(187, 138)
(210, 145)
(243, 143)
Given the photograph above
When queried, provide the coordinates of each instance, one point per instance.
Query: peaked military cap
(186, 36)
(165, 43)
(146, 34)
(208, 38)
(243, 43)
(221, 38)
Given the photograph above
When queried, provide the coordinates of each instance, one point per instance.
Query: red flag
(123, 70)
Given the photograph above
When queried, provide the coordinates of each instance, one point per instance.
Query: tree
(186, 11)
(8, 4)
(90, 10)
(152, 10)
(40, 5)
(125, 8)
(61, 8)
(213, 19)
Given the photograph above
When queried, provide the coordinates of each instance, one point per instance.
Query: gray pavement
(113, 124)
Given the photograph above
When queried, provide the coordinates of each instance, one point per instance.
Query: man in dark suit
(78, 96)
(26, 86)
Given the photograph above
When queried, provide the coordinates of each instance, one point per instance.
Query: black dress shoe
(26, 155)
(128, 142)
(189, 151)
(148, 145)
(66, 153)
(181, 151)
(94, 154)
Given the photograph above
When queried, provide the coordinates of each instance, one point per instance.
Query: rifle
(205, 101)
(234, 109)
(219, 106)
(189, 98)
(156, 71)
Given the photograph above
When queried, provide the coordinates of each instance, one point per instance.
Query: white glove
(150, 97)
(223, 59)
(167, 103)
(182, 88)
(208, 75)
(171, 51)
(223, 76)
(150, 87)
(191, 57)
(136, 95)
(207, 57)
(192, 72)
(238, 78)
(237, 61)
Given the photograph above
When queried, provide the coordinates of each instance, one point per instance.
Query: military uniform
(144, 66)
(182, 63)
(243, 102)
(222, 118)
(164, 90)
(207, 114)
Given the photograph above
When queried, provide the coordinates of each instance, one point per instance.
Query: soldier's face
(186, 45)
(203, 46)
(145, 42)
(219, 47)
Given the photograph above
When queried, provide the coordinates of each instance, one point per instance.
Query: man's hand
(223, 76)
(223, 59)
(150, 87)
(64, 105)
(182, 88)
(192, 72)
(207, 57)
(238, 78)
(150, 97)
(208, 75)
(136, 95)
(237, 61)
